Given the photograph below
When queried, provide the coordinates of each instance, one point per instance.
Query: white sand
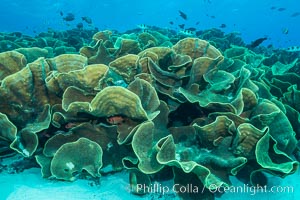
(29, 185)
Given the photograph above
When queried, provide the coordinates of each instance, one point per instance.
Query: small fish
(44, 134)
(191, 29)
(293, 49)
(171, 22)
(198, 22)
(257, 42)
(281, 9)
(143, 27)
(181, 26)
(69, 17)
(211, 16)
(273, 8)
(115, 120)
(50, 30)
(295, 14)
(182, 14)
(285, 31)
(87, 20)
(61, 13)
(71, 125)
(79, 25)
(187, 33)
(223, 26)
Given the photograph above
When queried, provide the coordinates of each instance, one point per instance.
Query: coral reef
(203, 108)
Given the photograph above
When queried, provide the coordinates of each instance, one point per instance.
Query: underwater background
(149, 99)
(276, 19)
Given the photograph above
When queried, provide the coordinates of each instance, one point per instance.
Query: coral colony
(157, 104)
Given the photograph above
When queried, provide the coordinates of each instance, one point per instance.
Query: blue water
(252, 18)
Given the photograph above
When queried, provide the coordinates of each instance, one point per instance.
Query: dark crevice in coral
(185, 114)
(18, 164)
(163, 175)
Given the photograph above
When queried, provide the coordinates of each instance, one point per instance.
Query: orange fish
(70, 125)
(115, 120)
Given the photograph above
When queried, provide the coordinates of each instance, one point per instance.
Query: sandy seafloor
(29, 185)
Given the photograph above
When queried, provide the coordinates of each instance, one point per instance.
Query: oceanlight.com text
(190, 188)
(252, 190)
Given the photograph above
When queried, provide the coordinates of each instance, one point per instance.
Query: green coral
(76, 156)
(154, 103)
